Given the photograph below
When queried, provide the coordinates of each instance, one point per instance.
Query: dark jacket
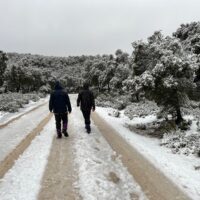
(86, 100)
(59, 101)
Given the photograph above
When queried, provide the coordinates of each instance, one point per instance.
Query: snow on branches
(169, 73)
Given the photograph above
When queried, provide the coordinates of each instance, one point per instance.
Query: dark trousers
(86, 115)
(61, 117)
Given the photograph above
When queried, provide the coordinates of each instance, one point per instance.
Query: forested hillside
(163, 69)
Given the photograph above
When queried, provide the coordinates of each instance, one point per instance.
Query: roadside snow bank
(180, 168)
(2, 114)
(7, 116)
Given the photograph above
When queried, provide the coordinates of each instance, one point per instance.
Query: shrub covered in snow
(45, 89)
(113, 100)
(156, 128)
(182, 143)
(11, 102)
(193, 109)
(141, 109)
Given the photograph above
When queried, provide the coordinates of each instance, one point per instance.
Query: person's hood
(85, 86)
(58, 86)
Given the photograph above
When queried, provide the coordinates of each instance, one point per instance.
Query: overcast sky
(76, 27)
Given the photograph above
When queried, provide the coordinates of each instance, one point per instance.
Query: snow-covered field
(180, 168)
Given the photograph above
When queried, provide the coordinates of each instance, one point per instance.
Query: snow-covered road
(101, 174)
(99, 171)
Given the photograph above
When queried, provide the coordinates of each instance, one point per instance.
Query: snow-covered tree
(189, 34)
(13, 78)
(3, 59)
(108, 75)
(121, 57)
(122, 72)
(168, 81)
(146, 54)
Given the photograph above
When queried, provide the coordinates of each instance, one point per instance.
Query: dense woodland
(162, 69)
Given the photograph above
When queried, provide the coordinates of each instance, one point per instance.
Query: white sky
(76, 27)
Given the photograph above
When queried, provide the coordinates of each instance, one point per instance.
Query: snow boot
(88, 128)
(59, 134)
(65, 133)
(88, 131)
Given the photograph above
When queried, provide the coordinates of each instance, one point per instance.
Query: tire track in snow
(153, 182)
(60, 174)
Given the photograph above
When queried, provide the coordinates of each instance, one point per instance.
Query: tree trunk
(17, 89)
(179, 118)
(137, 96)
(108, 87)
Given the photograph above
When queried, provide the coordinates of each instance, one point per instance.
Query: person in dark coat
(59, 104)
(87, 103)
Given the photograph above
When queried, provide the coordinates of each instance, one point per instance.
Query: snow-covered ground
(22, 181)
(6, 116)
(180, 168)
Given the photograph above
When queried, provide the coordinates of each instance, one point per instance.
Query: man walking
(60, 105)
(87, 103)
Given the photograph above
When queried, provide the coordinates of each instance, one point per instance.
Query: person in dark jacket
(87, 103)
(60, 105)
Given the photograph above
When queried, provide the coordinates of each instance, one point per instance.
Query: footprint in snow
(113, 177)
